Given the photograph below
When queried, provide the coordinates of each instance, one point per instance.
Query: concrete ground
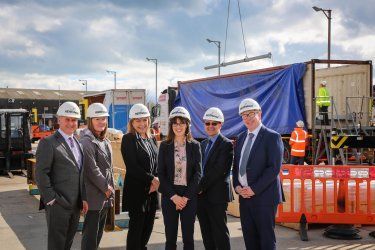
(22, 226)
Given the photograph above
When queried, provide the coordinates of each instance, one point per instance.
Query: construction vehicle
(39, 132)
(287, 94)
(15, 143)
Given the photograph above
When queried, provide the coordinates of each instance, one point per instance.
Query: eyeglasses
(249, 115)
(211, 123)
(175, 124)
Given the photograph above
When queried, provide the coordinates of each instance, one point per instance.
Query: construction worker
(298, 143)
(155, 130)
(323, 101)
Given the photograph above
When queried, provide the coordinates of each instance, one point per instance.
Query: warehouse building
(42, 103)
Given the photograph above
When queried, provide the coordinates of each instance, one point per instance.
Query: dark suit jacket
(138, 176)
(215, 183)
(57, 173)
(98, 170)
(263, 167)
(166, 169)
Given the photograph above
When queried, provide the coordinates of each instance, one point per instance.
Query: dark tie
(206, 151)
(246, 154)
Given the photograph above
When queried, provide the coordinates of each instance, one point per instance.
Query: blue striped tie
(246, 154)
(206, 151)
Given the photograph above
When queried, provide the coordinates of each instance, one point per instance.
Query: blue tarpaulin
(279, 92)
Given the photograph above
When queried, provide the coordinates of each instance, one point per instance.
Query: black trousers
(62, 226)
(213, 223)
(296, 160)
(258, 225)
(171, 217)
(140, 228)
(93, 228)
(324, 112)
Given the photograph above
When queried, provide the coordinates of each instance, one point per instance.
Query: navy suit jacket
(166, 168)
(215, 183)
(263, 167)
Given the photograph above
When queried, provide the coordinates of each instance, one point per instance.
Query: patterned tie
(71, 142)
(206, 151)
(246, 154)
(75, 152)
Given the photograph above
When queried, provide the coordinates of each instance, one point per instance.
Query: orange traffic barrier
(328, 194)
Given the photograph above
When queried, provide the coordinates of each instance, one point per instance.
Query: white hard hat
(214, 114)
(69, 109)
(138, 111)
(324, 83)
(248, 104)
(179, 112)
(97, 110)
(300, 124)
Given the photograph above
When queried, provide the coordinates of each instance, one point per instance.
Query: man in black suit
(214, 189)
(257, 162)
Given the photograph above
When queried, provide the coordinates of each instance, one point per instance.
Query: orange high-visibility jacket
(298, 142)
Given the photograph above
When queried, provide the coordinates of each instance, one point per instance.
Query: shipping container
(348, 82)
(118, 102)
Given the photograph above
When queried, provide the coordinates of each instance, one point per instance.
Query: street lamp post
(84, 82)
(327, 13)
(218, 44)
(114, 75)
(156, 77)
(113, 97)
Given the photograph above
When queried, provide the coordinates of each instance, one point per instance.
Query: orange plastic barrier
(328, 194)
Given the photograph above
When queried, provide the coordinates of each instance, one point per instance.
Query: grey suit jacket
(57, 173)
(98, 170)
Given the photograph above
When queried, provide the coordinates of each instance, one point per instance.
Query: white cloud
(44, 24)
(42, 44)
(104, 28)
(153, 21)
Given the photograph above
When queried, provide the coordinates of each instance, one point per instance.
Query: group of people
(194, 178)
(76, 175)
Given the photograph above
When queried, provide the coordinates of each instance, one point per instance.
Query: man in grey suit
(59, 179)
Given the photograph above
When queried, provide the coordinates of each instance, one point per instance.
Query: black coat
(138, 176)
(215, 184)
(166, 169)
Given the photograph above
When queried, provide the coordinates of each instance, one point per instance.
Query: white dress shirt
(243, 179)
(75, 150)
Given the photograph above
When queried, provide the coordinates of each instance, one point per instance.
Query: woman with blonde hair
(139, 152)
(179, 171)
(97, 174)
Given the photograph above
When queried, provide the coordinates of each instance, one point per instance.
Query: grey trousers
(62, 226)
(93, 228)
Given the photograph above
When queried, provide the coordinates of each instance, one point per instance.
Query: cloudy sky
(51, 43)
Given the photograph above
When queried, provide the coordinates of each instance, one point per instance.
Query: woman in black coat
(179, 171)
(139, 151)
